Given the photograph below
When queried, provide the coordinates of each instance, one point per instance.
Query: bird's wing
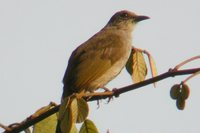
(91, 60)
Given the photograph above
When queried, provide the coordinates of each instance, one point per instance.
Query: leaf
(136, 66)
(74, 129)
(74, 109)
(88, 127)
(65, 116)
(43, 110)
(47, 125)
(27, 130)
(80, 110)
(63, 107)
(153, 67)
(83, 110)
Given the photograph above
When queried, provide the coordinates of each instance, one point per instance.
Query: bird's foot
(98, 104)
(111, 97)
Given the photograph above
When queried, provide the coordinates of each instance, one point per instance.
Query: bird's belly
(111, 73)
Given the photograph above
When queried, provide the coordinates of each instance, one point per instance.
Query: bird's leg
(111, 97)
(98, 104)
(106, 89)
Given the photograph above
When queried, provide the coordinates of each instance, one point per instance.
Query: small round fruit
(185, 91)
(175, 91)
(180, 103)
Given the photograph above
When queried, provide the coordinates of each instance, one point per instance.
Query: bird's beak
(140, 18)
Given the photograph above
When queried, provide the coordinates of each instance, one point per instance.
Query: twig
(104, 95)
(4, 127)
(191, 76)
(186, 61)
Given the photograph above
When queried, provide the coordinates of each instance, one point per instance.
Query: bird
(99, 59)
(102, 57)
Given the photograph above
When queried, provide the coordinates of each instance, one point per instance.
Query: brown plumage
(101, 58)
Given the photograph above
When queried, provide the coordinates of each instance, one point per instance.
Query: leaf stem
(191, 76)
(186, 61)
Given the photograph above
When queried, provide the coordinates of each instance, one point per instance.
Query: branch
(117, 92)
(102, 95)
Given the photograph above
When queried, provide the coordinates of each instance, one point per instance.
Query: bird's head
(125, 19)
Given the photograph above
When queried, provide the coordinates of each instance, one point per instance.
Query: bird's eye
(124, 15)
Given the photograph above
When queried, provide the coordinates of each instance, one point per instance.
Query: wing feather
(91, 60)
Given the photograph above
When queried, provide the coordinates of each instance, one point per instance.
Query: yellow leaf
(42, 110)
(47, 125)
(88, 127)
(74, 109)
(136, 66)
(153, 67)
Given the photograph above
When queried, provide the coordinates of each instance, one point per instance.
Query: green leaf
(47, 125)
(74, 129)
(63, 107)
(79, 109)
(88, 127)
(136, 66)
(65, 116)
(72, 111)
(83, 110)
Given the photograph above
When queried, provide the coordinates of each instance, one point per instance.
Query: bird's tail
(67, 91)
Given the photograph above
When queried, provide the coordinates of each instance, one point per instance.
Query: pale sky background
(38, 36)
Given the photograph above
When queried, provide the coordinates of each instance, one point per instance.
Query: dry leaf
(136, 66)
(152, 66)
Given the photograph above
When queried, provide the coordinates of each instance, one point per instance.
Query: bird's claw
(111, 97)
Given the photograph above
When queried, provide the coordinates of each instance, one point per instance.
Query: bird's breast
(121, 54)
